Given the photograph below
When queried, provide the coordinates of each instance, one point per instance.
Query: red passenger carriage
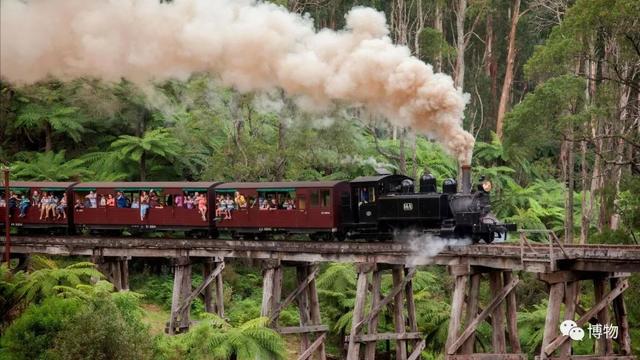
(291, 207)
(169, 211)
(34, 191)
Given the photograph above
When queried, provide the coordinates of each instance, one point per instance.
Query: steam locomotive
(370, 207)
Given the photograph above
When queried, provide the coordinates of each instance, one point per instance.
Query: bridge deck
(534, 258)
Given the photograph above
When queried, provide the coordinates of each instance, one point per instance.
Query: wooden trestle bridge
(562, 267)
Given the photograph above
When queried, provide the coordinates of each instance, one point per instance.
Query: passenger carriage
(171, 213)
(316, 208)
(32, 218)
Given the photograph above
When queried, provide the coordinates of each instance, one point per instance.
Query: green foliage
(48, 166)
(214, 338)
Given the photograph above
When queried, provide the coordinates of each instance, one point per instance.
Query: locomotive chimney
(466, 179)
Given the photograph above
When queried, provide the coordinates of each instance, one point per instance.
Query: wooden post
(303, 306)
(176, 294)
(314, 307)
(267, 290)
(353, 351)
(185, 292)
(411, 309)
(622, 320)
(398, 316)
(116, 274)
(604, 345)
(370, 349)
(207, 268)
(512, 316)
(552, 321)
(497, 337)
(457, 303)
(277, 287)
(570, 300)
(472, 310)
(219, 295)
(124, 265)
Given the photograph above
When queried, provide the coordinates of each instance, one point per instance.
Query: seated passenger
(92, 199)
(154, 201)
(179, 200)
(240, 200)
(78, 205)
(221, 206)
(136, 203)
(111, 201)
(202, 207)
(3, 203)
(264, 204)
(144, 205)
(44, 204)
(24, 205)
(12, 202)
(35, 198)
(189, 202)
(230, 206)
(61, 209)
(288, 204)
(103, 200)
(121, 200)
(51, 207)
(273, 205)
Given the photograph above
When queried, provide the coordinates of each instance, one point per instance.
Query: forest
(553, 91)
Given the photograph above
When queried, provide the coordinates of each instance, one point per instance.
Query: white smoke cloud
(252, 46)
(427, 246)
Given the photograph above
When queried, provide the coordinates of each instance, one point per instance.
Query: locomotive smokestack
(466, 179)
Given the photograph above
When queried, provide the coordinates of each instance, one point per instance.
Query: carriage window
(366, 195)
(274, 199)
(325, 197)
(315, 199)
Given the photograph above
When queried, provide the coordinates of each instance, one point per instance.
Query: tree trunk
(508, 75)
(143, 166)
(438, 26)
(491, 65)
(584, 223)
(48, 136)
(569, 200)
(460, 43)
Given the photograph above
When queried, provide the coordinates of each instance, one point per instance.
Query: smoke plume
(427, 246)
(252, 46)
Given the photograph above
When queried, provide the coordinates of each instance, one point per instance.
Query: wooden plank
(124, 263)
(398, 315)
(184, 310)
(487, 357)
(267, 294)
(457, 302)
(473, 299)
(277, 287)
(220, 294)
(188, 299)
(312, 348)
(619, 289)
(302, 329)
(592, 357)
(498, 340)
(372, 338)
(604, 345)
(417, 349)
(175, 298)
(411, 308)
(372, 325)
(471, 328)
(552, 319)
(622, 320)
(512, 316)
(387, 299)
(353, 350)
(207, 268)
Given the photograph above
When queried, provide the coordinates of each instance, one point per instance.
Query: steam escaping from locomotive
(252, 46)
(425, 247)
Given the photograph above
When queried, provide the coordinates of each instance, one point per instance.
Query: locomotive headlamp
(486, 186)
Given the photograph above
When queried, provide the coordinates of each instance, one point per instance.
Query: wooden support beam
(487, 357)
(220, 294)
(184, 310)
(398, 317)
(553, 345)
(552, 319)
(353, 350)
(498, 340)
(267, 294)
(124, 271)
(312, 348)
(471, 328)
(373, 338)
(570, 300)
(591, 357)
(372, 325)
(387, 299)
(179, 274)
(604, 345)
(411, 308)
(417, 350)
(301, 286)
(512, 316)
(473, 299)
(186, 304)
(277, 288)
(622, 320)
(302, 329)
(303, 304)
(457, 303)
(314, 308)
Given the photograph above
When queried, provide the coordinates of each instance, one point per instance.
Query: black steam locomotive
(387, 205)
